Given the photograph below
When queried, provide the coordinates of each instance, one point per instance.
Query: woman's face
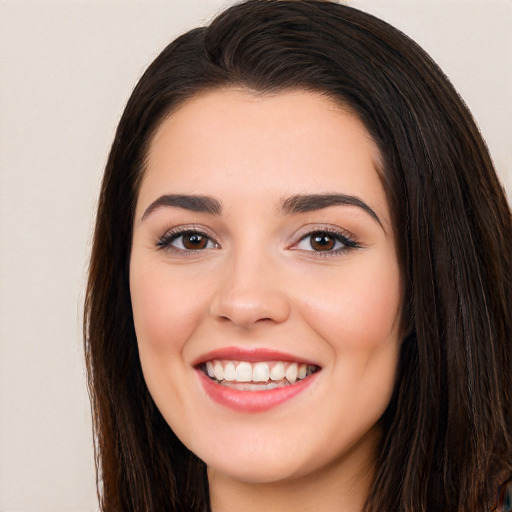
(265, 284)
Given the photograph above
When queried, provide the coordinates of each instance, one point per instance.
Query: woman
(299, 292)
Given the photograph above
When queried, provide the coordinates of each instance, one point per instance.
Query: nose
(251, 294)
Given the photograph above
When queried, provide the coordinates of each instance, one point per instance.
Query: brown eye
(326, 242)
(322, 241)
(187, 241)
(194, 241)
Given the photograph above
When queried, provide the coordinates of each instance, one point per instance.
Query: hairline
(337, 102)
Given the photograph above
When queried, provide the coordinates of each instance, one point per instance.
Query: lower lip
(252, 401)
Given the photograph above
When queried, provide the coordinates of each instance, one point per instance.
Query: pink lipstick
(253, 380)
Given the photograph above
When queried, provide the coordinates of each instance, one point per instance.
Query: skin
(260, 284)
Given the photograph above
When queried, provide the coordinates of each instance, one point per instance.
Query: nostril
(247, 322)
(250, 309)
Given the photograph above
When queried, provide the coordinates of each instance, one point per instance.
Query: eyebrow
(195, 203)
(300, 203)
(311, 202)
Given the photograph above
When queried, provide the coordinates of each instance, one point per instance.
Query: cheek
(164, 312)
(361, 309)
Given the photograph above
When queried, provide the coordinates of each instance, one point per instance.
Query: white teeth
(218, 371)
(229, 372)
(260, 372)
(243, 372)
(291, 373)
(257, 376)
(246, 386)
(277, 372)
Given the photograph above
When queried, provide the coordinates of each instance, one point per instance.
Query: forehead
(229, 142)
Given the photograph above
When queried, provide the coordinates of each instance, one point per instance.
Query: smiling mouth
(256, 376)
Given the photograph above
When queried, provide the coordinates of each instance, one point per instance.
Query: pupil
(322, 242)
(194, 241)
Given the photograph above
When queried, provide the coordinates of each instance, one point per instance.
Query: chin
(262, 464)
(256, 471)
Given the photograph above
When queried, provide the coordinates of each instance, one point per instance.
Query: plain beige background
(66, 70)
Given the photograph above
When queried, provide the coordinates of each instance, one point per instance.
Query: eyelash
(165, 242)
(348, 242)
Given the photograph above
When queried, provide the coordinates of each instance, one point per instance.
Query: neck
(341, 486)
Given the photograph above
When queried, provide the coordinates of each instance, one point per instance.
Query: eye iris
(322, 242)
(194, 241)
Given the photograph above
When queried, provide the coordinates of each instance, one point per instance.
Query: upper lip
(250, 355)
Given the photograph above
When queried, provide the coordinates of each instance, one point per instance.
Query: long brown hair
(448, 438)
